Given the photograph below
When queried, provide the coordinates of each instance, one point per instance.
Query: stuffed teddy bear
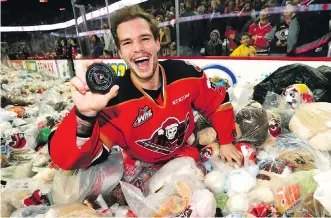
(253, 123)
(215, 181)
(312, 122)
(206, 136)
(209, 151)
(268, 180)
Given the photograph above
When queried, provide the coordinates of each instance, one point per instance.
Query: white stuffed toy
(203, 204)
(238, 203)
(215, 181)
(240, 181)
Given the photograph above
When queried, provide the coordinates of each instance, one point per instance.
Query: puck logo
(100, 78)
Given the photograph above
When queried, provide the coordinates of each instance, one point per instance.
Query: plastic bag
(171, 170)
(253, 123)
(323, 192)
(296, 152)
(312, 122)
(294, 74)
(18, 171)
(31, 211)
(239, 95)
(6, 115)
(172, 199)
(263, 210)
(52, 97)
(296, 185)
(71, 210)
(74, 186)
(306, 206)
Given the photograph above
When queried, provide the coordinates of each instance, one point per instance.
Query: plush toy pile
(286, 170)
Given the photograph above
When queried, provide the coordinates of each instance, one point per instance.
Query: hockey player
(149, 112)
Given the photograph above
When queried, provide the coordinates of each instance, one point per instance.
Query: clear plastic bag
(306, 206)
(297, 152)
(239, 95)
(295, 186)
(170, 170)
(31, 211)
(75, 186)
(323, 192)
(71, 210)
(179, 194)
(312, 122)
(253, 123)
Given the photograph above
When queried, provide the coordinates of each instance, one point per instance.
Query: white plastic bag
(323, 192)
(75, 186)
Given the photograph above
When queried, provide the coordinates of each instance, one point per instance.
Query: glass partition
(294, 28)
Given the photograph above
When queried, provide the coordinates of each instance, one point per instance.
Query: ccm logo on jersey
(144, 114)
(181, 99)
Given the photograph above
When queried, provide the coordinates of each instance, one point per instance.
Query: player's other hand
(88, 103)
(231, 154)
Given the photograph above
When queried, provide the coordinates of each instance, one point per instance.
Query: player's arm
(214, 103)
(76, 142)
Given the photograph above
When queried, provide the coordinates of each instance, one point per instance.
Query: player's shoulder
(179, 69)
(126, 92)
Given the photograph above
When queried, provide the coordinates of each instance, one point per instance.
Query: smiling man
(149, 112)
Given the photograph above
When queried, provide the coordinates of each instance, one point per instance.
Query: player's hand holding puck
(92, 93)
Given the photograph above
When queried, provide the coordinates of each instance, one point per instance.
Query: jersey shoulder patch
(177, 69)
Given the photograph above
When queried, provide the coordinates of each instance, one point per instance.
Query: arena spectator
(96, 47)
(188, 33)
(279, 34)
(58, 49)
(314, 34)
(259, 32)
(64, 49)
(173, 49)
(165, 37)
(229, 43)
(214, 46)
(107, 40)
(293, 31)
(245, 49)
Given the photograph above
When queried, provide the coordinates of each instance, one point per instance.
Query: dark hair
(245, 34)
(130, 13)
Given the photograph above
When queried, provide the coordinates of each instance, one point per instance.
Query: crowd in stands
(251, 30)
(254, 30)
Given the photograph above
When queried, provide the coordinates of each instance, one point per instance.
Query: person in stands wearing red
(149, 113)
(259, 32)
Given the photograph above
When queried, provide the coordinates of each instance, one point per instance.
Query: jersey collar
(163, 84)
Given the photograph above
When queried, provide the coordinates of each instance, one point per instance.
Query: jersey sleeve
(263, 41)
(213, 102)
(71, 152)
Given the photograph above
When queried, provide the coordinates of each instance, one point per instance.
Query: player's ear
(158, 45)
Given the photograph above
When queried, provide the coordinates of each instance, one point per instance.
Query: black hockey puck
(100, 78)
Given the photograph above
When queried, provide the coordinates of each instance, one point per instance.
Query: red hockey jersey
(149, 131)
(260, 31)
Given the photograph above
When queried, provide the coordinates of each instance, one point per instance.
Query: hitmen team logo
(169, 137)
(144, 114)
